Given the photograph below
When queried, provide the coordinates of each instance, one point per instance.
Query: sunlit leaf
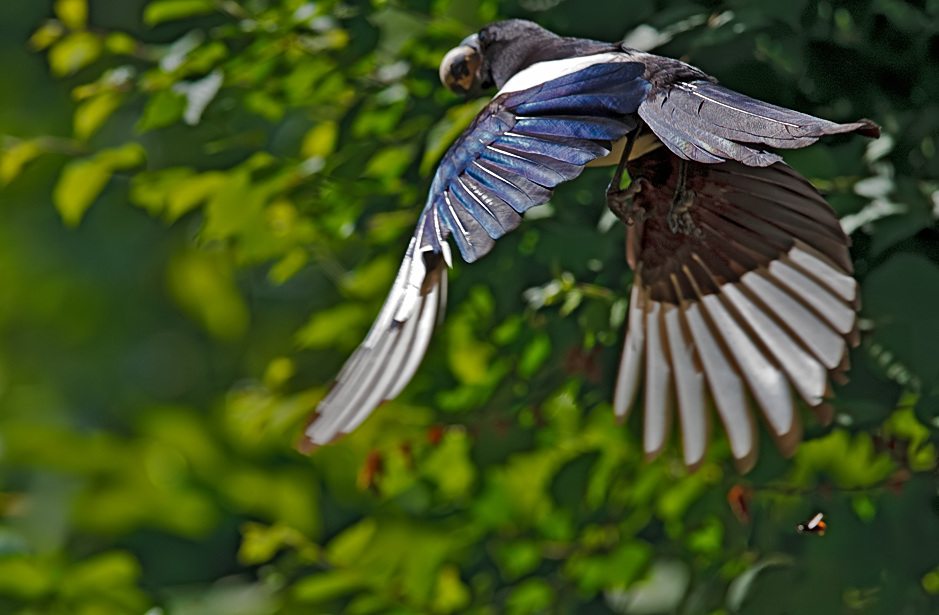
(72, 13)
(83, 180)
(451, 593)
(328, 585)
(74, 52)
(203, 286)
(320, 140)
(164, 108)
(167, 10)
(13, 160)
(47, 34)
(94, 112)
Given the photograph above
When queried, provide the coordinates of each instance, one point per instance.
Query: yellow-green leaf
(327, 585)
(168, 10)
(203, 285)
(451, 594)
(74, 52)
(46, 34)
(83, 180)
(164, 108)
(79, 185)
(73, 13)
(108, 569)
(94, 112)
(320, 140)
(23, 577)
(14, 159)
(120, 43)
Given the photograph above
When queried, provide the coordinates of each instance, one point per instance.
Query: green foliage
(204, 203)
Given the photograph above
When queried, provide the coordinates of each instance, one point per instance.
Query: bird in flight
(742, 293)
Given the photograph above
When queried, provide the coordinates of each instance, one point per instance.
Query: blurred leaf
(450, 465)
(340, 327)
(74, 52)
(163, 109)
(24, 577)
(325, 586)
(168, 10)
(531, 596)
(83, 180)
(72, 13)
(451, 594)
(742, 586)
(94, 112)
(47, 34)
(320, 140)
(203, 285)
(13, 159)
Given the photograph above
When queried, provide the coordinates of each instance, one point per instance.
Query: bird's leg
(679, 214)
(619, 200)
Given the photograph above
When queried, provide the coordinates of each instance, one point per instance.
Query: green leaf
(451, 593)
(72, 13)
(74, 52)
(94, 112)
(450, 465)
(534, 355)
(14, 159)
(320, 140)
(328, 585)
(203, 285)
(390, 162)
(83, 180)
(47, 34)
(532, 596)
(742, 586)
(120, 43)
(168, 10)
(109, 569)
(349, 546)
(152, 191)
(24, 577)
(340, 327)
(163, 109)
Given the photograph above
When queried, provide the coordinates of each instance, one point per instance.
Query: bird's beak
(459, 70)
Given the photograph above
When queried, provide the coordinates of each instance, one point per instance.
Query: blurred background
(202, 205)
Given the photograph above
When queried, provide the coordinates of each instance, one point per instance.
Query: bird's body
(743, 288)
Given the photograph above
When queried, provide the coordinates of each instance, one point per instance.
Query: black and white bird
(743, 293)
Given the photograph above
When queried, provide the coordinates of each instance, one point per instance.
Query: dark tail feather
(756, 305)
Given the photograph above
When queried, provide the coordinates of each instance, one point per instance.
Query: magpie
(743, 291)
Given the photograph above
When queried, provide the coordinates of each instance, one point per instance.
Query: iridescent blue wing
(523, 144)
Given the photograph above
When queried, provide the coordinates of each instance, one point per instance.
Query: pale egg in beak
(460, 67)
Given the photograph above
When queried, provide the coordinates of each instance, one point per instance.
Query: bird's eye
(459, 68)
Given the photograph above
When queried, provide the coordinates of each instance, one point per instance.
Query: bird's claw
(679, 214)
(621, 202)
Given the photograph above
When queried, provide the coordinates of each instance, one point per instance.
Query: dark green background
(176, 295)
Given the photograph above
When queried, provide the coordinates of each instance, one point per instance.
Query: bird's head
(491, 56)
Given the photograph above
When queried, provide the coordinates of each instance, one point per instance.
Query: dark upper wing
(757, 305)
(700, 120)
(522, 145)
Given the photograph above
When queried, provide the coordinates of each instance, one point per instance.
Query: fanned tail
(756, 304)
